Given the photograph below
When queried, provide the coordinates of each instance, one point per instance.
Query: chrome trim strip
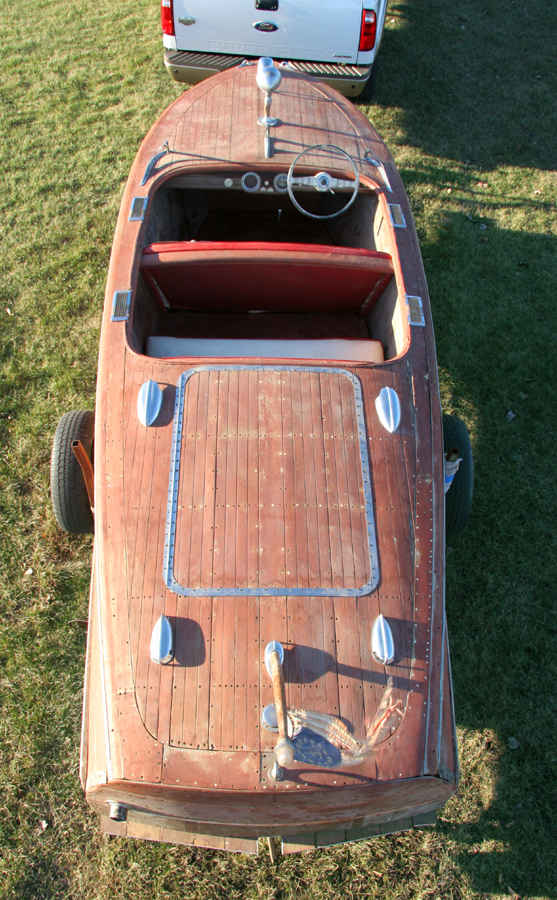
(432, 563)
(444, 637)
(173, 485)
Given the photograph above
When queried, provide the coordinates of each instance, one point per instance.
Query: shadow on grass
(43, 879)
(496, 339)
(474, 82)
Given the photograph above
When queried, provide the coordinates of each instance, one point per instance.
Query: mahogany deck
(217, 684)
(184, 740)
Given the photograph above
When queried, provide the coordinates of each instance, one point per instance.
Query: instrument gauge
(251, 182)
(280, 183)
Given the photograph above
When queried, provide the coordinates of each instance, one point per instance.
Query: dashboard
(251, 182)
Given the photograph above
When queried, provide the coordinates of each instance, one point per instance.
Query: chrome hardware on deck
(121, 306)
(382, 644)
(414, 310)
(162, 642)
(378, 165)
(162, 151)
(149, 402)
(396, 215)
(284, 751)
(388, 409)
(138, 207)
(268, 79)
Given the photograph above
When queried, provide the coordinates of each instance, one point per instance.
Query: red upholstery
(243, 276)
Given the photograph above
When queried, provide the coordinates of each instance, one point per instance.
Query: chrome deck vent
(415, 310)
(382, 644)
(387, 405)
(139, 205)
(121, 306)
(162, 642)
(397, 216)
(149, 402)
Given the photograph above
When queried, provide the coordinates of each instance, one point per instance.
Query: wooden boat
(268, 486)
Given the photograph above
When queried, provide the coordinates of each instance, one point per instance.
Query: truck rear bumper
(191, 68)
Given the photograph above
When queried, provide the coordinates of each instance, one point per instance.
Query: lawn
(467, 102)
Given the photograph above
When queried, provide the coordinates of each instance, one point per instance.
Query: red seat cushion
(242, 276)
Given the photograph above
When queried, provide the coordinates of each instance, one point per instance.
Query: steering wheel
(323, 182)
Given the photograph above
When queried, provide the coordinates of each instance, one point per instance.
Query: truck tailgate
(328, 30)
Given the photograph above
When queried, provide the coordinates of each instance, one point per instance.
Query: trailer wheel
(458, 499)
(67, 484)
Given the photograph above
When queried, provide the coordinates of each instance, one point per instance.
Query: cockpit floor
(262, 326)
(263, 225)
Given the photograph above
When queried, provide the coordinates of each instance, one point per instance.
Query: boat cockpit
(269, 264)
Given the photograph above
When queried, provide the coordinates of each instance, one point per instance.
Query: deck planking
(211, 678)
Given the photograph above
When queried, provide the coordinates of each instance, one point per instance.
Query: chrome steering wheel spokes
(323, 181)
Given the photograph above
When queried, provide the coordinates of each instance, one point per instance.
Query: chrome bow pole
(268, 79)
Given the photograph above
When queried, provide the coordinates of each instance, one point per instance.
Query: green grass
(466, 100)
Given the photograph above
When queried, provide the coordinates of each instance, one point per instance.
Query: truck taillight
(369, 27)
(167, 17)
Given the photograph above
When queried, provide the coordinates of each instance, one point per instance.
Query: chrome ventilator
(268, 79)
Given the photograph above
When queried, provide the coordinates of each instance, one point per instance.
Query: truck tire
(458, 499)
(68, 492)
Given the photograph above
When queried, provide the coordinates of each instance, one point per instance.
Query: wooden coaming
(189, 733)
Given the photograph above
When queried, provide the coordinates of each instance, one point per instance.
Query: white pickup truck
(334, 40)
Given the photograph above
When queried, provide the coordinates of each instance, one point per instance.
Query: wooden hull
(272, 523)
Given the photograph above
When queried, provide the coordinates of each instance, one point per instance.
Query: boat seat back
(268, 277)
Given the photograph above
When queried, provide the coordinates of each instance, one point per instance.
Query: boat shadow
(304, 665)
(492, 299)
(484, 97)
